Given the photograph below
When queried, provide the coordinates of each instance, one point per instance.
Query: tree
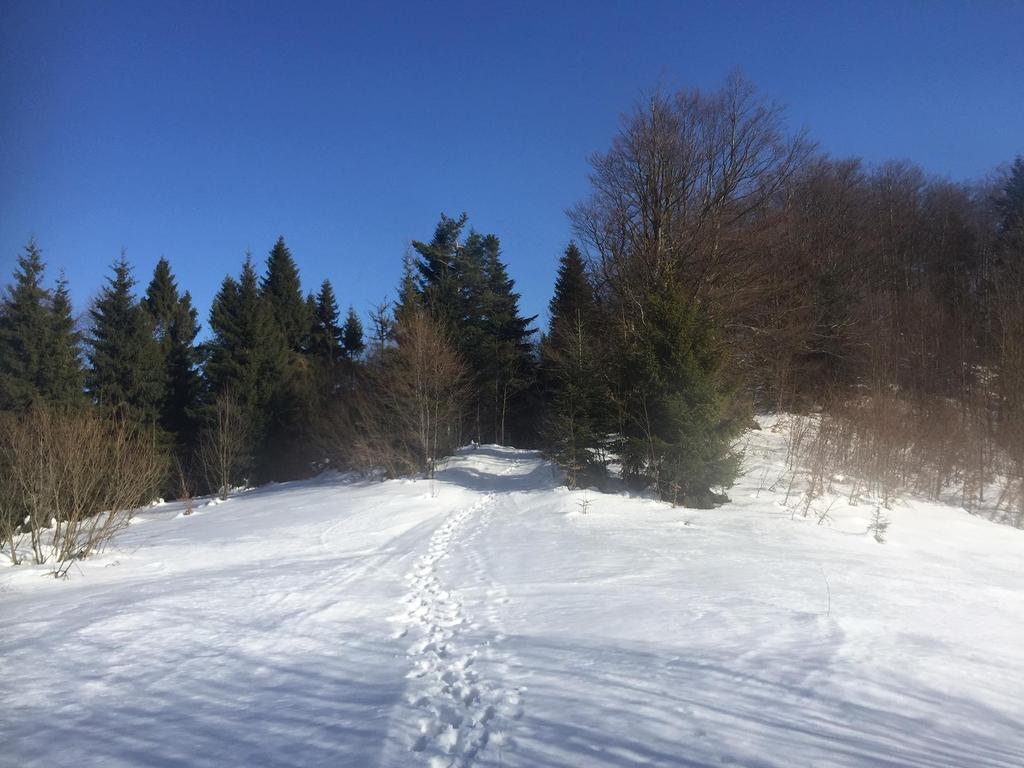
(225, 445)
(247, 354)
(382, 328)
(440, 268)
(508, 367)
(175, 327)
(286, 450)
(683, 176)
(575, 397)
(161, 298)
(409, 415)
(306, 346)
(64, 377)
(352, 335)
(466, 287)
(39, 346)
(573, 299)
(681, 419)
(24, 325)
(247, 351)
(283, 293)
(409, 298)
(125, 363)
(326, 334)
(678, 206)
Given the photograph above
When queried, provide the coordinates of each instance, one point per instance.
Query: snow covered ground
(484, 619)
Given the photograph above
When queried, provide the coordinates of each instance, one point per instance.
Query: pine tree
(247, 354)
(272, 383)
(283, 292)
(64, 377)
(570, 373)
(175, 327)
(440, 271)
(161, 298)
(25, 323)
(40, 350)
(308, 337)
(409, 298)
(471, 301)
(681, 419)
(467, 288)
(509, 368)
(574, 297)
(352, 335)
(326, 336)
(125, 362)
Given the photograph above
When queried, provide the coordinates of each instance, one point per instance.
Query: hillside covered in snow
(493, 617)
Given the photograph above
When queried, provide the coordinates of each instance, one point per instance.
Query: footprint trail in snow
(459, 712)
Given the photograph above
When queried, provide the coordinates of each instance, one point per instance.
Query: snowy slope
(483, 619)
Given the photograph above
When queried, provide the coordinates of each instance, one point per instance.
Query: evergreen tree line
(275, 353)
(284, 385)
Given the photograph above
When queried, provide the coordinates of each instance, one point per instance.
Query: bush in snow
(70, 480)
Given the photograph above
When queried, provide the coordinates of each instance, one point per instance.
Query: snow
(485, 619)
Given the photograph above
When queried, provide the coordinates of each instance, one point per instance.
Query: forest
(722, 265)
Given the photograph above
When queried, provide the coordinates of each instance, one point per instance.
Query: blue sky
(198, 130)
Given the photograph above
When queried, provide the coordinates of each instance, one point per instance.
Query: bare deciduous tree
(409, 414)
(225, 445)
(682, 175)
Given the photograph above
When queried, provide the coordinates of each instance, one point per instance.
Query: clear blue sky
(197, 130)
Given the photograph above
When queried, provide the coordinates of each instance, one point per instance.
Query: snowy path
(483, 620)
(460, 712)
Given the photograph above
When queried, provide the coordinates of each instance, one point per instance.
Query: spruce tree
(247, 354)
(409, 294)
(471, 300)
(161, 298)
(272, 382)
(574, 297)
(510, 367)
(570, 371)
(440, 271)
(64, 375)
(283, 292)
(25, 323)
(352, 335)
(466, 286)
(40, 355)
(175, 327)
(125, 362)
(681, 418)
(326, 334)
(307, 339)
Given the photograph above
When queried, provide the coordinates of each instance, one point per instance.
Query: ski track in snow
(460, 713)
